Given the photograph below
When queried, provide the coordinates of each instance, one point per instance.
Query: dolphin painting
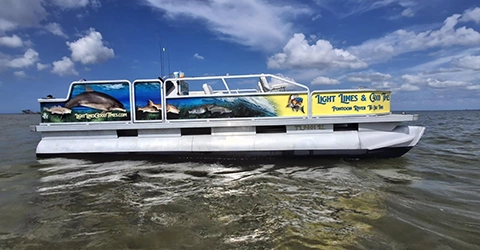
(96, 100)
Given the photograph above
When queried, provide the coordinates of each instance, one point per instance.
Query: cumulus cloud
(473, 87)
(20, 13)
(64, 67)
(384, 85)
(11, 41)
(20, 74)
(29, 58)
(471, 15)
(408, 87)
(321, 80)
(41, 66)
(55, 29)
(403, 41)
(435, 83)
(29, 13)
(256, 24)
(72, 4)
(90, 49)
(468, 62)
(408, 12)
(197, 56)
(413, 79)
(368, 77)
(297, 53)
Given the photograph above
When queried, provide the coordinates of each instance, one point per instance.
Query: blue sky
(426, 51)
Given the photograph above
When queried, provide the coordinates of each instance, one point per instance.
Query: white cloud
(55, 29)
(29, 58)
(72, 4)
(20, 13)
(473, 87)
(41, 66)
(11, 41)
(90, 49)
(197, 56)
(368, 77)
(20, 74)
(256, 24)
(346, 8)
(408, 87)
(297, 53)
(383, 85)
(435, 83)
(402, 41)
(471, 15)
(408, 12)
(64, 67)
(412, 79)
(321, 80)
(468, 62)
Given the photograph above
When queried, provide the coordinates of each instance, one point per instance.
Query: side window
(170, 87)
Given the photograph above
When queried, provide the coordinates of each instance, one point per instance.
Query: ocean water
(427, 199)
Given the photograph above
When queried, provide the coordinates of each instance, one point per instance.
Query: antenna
(162, 70)
(168, 60)
(161, 45)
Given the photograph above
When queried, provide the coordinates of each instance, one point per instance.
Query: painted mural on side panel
(93, 102)
(278, 105)
(148, 101)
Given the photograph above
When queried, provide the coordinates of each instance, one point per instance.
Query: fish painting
(201, 109)
(198, 110)
(59, 110)
(150, 108)
(170, 108)
(218, 109)
(96, 100)
(212, 108)
(296, 103)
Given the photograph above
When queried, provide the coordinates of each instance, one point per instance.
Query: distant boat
(28, 111)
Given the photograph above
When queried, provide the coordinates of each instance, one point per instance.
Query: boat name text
(347, 98)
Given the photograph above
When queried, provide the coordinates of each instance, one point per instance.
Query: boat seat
(265, 87)
(260, 87)
(207, 89)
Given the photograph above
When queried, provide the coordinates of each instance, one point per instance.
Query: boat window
(127, 133)
(196, 131)
(345, 127)
(271, 129)
(170, 87)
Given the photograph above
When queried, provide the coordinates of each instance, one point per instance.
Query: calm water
(427, 199)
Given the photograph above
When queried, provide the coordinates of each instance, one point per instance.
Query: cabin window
(196, 131)
(127, 133)
(271, 129)
(169, 87)
(345, 127)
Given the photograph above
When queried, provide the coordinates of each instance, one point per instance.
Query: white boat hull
(369, 140)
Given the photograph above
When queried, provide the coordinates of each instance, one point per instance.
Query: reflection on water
(140, 204)
(427, 199)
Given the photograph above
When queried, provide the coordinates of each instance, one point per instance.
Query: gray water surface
(427, 199)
